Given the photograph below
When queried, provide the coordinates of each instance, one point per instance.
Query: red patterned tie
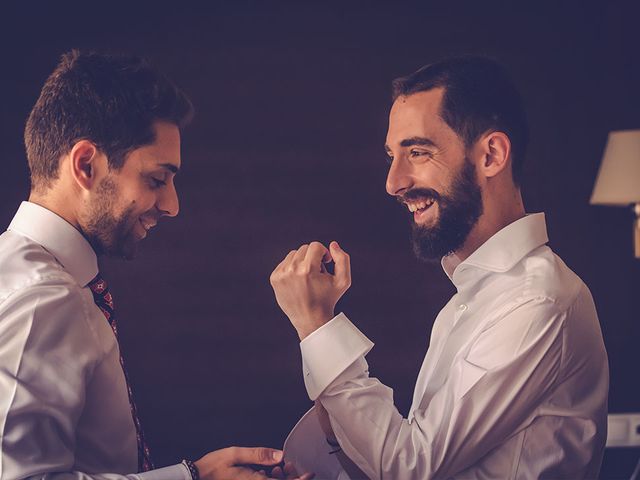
(104, 301)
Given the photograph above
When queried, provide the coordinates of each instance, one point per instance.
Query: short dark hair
(111, 100)
(479, 96)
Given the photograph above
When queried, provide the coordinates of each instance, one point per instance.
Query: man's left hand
(305, 291)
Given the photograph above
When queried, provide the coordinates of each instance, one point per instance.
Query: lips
(146, 224)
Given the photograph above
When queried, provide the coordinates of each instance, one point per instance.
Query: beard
(458, 212)
(109, 233)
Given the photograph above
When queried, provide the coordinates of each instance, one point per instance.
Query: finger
(277, 472)
(307, 476)
(290, 470)
(343, 265)
(286, 260)
(242, 473)
(275, 275)
(255, 456)
(300, 254)
(315, 256)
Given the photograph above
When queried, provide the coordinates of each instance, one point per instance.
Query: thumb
(256, 456)
(342, 265)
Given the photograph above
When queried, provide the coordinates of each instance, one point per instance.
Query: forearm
(373, 435)
(474, 411)
(350, 467)
(174, 472)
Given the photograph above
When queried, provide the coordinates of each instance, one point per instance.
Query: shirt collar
(503, 250)
(59, 238)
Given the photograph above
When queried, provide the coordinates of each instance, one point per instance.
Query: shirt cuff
(174, 472)
(329, 351)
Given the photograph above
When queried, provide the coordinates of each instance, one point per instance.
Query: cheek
(435, 177)
(138, 200)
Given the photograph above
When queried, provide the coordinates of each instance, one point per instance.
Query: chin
(126, 250)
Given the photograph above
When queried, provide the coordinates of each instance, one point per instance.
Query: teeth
(419, 205)
(147, 225)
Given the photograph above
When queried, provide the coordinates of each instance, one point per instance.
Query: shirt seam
(518, 457)
(36, 279)
(74, 289)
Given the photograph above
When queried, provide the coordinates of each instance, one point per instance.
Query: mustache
(418, 194)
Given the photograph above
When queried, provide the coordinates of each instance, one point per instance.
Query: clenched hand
(306, 292)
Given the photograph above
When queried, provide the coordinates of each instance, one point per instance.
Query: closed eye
(157, 183)
(420, 155)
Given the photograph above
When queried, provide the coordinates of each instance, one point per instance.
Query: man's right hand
(233, 463)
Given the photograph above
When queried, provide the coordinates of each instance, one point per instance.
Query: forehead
(165, 150)
(417, 115)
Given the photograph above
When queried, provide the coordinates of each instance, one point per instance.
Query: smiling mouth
(147, 224)
(419, 205)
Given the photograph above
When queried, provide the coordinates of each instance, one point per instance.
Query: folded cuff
(329, 351)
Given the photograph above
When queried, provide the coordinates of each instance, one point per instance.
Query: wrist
(193, 469)
(312, 323)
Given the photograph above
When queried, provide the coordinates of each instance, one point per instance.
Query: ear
(86, 163)
(496, 150)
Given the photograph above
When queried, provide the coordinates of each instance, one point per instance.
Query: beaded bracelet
(193, 470)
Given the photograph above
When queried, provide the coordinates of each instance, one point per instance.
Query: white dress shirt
(64, 408)
(513, 386)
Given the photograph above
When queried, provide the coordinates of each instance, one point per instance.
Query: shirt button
(462, 307)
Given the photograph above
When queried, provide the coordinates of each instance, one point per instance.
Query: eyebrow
(410, 142)
(169, 166)
(413, 141)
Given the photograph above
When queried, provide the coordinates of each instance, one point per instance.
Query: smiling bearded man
(515, 381)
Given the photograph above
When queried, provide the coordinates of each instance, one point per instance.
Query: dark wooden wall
(286, 148)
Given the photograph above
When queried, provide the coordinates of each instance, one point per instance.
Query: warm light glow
(618, 181)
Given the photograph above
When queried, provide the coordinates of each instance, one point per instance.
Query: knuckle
(275, 277)
(232, 451)
(303, 270)
(261, 454)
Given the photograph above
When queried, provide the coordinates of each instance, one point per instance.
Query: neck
(497, 214)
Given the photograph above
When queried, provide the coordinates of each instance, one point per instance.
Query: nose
(399, 178)
(168, 203)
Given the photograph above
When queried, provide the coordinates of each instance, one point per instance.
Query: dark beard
(107, 234)
(458, 212)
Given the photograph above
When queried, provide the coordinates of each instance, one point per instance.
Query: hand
(288, 472)
(234, 463)
(305, 291)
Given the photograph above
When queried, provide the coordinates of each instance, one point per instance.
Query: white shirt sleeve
(487, 397)
(48, 352)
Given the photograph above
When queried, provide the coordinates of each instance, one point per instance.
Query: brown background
(287, 148)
